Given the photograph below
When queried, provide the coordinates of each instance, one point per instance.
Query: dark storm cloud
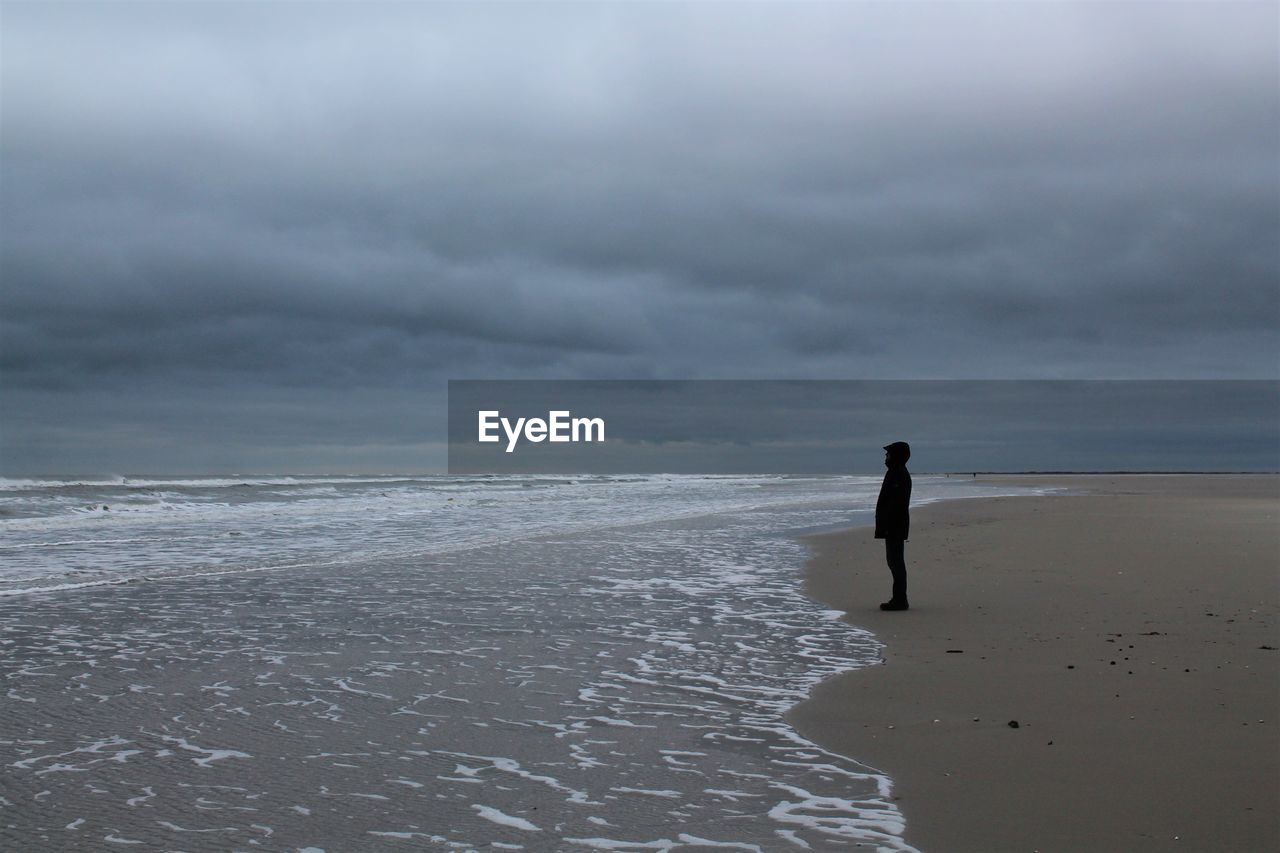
(367, 196)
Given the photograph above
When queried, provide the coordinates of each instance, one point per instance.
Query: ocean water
(347, 663)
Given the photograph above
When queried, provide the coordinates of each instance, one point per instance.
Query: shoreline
(1019, 607)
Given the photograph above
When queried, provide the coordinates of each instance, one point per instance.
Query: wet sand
(1130, 631)
(608, 689)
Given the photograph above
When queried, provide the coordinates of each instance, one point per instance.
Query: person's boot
(895, 605)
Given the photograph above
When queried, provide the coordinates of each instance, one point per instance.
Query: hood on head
(899, 452)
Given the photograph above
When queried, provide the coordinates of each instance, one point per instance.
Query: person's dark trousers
(894, 554)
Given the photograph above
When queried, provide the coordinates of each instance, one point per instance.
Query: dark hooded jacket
(892, 517)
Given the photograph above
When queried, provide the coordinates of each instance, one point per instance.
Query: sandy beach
(1130, 630)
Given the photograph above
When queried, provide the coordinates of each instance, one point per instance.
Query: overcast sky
(262, 236)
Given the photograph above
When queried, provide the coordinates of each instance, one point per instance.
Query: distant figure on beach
(893, 519)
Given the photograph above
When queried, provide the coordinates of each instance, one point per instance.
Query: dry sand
(1129, 630)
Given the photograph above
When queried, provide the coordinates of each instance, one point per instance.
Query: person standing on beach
(893, 519)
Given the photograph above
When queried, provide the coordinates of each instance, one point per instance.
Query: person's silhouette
(893, 519)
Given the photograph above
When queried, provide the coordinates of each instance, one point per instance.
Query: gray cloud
(330, 198)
